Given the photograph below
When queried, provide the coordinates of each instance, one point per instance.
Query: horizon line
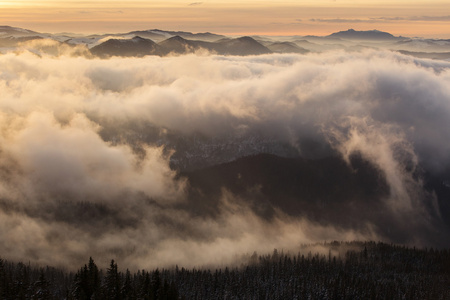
(204, 32)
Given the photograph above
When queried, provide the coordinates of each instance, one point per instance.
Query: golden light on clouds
(399, 17)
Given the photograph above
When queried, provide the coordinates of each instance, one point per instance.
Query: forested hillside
(353, 270)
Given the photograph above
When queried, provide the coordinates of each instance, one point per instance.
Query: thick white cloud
(71, 159)
(392, 109)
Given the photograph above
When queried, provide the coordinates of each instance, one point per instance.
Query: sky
(320, 17)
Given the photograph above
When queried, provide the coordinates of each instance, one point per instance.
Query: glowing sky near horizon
(321, 17)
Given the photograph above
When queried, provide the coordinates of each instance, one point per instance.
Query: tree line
(372, 271)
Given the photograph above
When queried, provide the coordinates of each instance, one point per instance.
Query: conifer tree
(3, 282)
(127, 288)
(41, 288)
(87, 282)
(155, 284)
(111, 286)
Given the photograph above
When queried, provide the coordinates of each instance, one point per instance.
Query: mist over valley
(161, 148)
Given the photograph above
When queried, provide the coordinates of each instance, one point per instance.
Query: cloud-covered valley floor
(89, 151)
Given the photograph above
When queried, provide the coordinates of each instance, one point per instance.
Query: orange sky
(400, 17)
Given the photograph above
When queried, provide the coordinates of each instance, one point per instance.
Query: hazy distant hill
(422, 45)
(12, 41)
(13, 36)
(320, 44)
(286, 47)
(205, 36)
(154, 35)
(6, 31)
(430, 55)
(374, 35)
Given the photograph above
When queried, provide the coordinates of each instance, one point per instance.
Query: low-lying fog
(67, 192)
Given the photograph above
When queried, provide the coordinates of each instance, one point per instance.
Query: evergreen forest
(350, 270)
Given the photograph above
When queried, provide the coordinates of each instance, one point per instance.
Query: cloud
(53, 48)
(100, 12)
(195, 3)
(83, 165)
(383, 19)
(416, 18)
(340, 20)
(84, 157)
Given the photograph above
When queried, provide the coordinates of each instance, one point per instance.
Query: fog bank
(74, 184)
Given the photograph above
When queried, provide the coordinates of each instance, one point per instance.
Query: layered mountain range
(161, 43)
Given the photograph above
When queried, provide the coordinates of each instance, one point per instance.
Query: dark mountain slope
(180, 45)
(326, 191)
(239, 46)
(242, 46)
(320, 189)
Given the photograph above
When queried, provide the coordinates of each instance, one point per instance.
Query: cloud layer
(72, 187)
(385, 19)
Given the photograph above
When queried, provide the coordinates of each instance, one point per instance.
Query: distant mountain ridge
(286, 47)
(205, 36)
(15, 31)
(140, 43)
(138, 46)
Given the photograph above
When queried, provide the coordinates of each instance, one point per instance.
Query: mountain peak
(138, 39)
(246, 38)
(177, 38)
(243, 46)
(352, 34)
(137, 46)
